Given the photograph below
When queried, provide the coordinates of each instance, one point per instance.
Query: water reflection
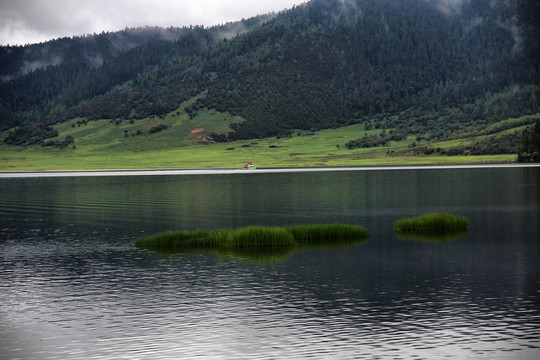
(432, 237)
(257, 255)
(73, 285)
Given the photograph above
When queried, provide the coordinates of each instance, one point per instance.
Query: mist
(34, 21)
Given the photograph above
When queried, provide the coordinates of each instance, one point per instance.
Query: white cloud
(31, 21)
(448, 7)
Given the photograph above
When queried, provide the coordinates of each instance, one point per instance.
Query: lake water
(73, 285)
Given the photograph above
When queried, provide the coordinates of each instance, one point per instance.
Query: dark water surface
(73, 286)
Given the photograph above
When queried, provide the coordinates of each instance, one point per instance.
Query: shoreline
(234, 171)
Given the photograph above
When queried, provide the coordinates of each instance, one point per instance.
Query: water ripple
(72, 285)
(187, 311)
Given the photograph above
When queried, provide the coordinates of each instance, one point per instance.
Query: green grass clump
(248, 237)
(260, 237)
(251, 237)
(177, 240)
(306, 234)
(435, 222)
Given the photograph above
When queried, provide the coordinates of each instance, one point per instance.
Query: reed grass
(248, 237)
(308, 234)
(176, 240)
(260, 237)
(251, 237)
(435, 222)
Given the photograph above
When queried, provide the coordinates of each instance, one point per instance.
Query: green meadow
(183, 143)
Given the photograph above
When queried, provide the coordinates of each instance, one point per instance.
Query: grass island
(252, 237)
(434, 222)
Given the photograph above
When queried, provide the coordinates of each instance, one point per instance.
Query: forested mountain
(426, 67)
(41, 81)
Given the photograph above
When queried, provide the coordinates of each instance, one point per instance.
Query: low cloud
(231, 31)
(31, 21)
(448, 7)
(513, 28)
(30, 66)
(95, 61)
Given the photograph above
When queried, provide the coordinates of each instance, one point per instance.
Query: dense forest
(41, 82)
(425, 67)
(529, 146)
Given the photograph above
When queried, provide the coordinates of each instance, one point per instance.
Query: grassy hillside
(175, 129)
(110, 143)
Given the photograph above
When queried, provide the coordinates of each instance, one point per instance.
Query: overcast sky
(32, 21)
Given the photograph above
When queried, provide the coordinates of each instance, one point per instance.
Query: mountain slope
(423, 67)
(42, 81)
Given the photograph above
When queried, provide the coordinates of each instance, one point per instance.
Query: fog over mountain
(33, 21)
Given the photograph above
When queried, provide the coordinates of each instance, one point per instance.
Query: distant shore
(232, 171)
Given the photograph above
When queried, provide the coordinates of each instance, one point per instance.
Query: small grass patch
(248, 237)
(177, 240)
(435, 222)
(309, 234)
(251, 237)
(260, 237)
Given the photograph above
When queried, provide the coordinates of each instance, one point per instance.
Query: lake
(73, 285)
